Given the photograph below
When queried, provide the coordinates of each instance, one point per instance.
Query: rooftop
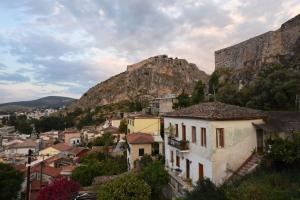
(61, 147)
(140, 138)
(216, 111)
(26, 144)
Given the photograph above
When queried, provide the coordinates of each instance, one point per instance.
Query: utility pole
(41, 175)
(28, 175)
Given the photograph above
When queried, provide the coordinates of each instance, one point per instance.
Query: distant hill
(153, 77)
(45, 102)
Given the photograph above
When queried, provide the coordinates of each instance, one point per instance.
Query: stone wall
(269, 47)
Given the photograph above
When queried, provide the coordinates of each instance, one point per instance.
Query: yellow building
(55, 149)
(144, 123)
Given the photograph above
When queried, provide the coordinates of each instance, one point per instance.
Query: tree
(198, 93)
(123, 126)
(105, 139)
(125, 187)
(98, 164)
(59, 189)
(85, 173)
(183, 100)
(205, 190)
(283, 152)
(155, 175)
(10, 182)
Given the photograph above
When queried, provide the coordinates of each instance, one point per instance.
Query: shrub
(126, 187)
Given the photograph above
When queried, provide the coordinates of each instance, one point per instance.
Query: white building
(209, 140)
(22, 148)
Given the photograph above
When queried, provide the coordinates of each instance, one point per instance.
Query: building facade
(210, 140)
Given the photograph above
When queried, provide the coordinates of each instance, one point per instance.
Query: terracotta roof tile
(61, 147)
(140, 138)
(48, 170)
(216, 111)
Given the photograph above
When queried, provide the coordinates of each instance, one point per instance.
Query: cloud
(72, 45)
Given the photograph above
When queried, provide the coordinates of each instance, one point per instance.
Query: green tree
(85, 173)
(10, 182)
(106, 139)
(275, 88)
(198, 93)
(123, 126)
(205, 190)
(183, 100)
(24, 127)
(126, 187)
(155, 175)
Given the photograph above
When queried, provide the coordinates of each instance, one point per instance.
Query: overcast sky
(64, 47)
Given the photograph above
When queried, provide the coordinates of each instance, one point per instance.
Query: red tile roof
(140, 138)
(216, 111)
(61, 147)
(48, 170)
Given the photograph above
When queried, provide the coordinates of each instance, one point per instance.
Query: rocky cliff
(153, 77)
(271, 47)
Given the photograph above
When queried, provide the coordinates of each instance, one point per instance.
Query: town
(211, 140)
(149, 100)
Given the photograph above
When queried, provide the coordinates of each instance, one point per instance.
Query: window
(220, 137)
(141, 152)
(177, 161)
(171, 156)
(183, 133)
(201, 171)
(193, 134)
(203, 137)
(176, 130)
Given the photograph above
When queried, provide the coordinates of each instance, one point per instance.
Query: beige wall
(69, 136)
(145, 125)
(134, 152)
(240, 141)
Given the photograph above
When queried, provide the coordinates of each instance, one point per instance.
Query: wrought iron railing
(179, 144)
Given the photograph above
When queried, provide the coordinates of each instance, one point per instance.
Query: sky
(64, 47)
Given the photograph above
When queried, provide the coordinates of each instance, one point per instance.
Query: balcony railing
(181, 145)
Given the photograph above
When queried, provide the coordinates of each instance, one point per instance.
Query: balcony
(182, 145)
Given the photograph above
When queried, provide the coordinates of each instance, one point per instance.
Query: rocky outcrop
(153, 77)
(271, 47)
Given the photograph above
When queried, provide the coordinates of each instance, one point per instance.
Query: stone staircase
(249, 165)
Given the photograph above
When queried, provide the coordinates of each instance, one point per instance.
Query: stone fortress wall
(267, 48)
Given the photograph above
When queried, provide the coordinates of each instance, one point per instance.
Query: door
(183, 133)
(187, 168)
(201, 173)
(260, 140)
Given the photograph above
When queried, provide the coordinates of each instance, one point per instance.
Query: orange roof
(140, 138)
(61, 147)
(48, 170)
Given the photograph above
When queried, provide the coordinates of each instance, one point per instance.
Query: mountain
(45, 102)
(152, 77)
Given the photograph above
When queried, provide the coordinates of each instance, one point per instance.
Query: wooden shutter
(172, 158)
(176, 130)
(183, 133)
(217, 137)
(203, 137)
(222, 138)
(193, 134)
(201, 171)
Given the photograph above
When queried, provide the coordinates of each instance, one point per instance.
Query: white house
(22, 148)
(209, 140)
